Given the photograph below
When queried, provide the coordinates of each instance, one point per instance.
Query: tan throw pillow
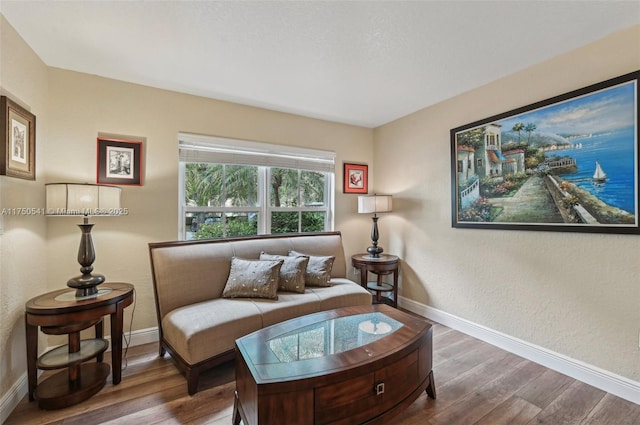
(291, 272)
(253, 279)
(318, 271)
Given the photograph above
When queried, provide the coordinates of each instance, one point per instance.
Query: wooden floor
(476, 383)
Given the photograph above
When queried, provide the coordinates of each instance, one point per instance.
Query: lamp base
(85, 285)
(375, 251)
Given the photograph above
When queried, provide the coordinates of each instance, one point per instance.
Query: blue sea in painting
(615, 151)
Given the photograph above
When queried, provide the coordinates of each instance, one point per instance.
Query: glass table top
(61, 357)
(333, 336)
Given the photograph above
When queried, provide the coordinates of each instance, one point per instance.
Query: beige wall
(86, 105)
(23, 78)
(575, 294)
(39, 254)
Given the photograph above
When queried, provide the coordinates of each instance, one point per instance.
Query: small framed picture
(119, 162)
(18, 141)
(356, 178)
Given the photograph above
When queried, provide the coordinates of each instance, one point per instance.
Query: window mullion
(328, 200)
(299, 200)
(264, 200)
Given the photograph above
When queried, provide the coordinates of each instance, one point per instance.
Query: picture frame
(356, 178)
(119, 162)
(18, 141)
(567, 163)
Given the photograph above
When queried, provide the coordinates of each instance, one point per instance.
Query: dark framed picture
(568, 163)
(356, 178)
(119, 162)
(18, 141)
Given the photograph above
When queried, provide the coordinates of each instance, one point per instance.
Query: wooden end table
(61, 313)
(380, 266)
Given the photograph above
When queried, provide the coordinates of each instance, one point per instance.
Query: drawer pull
(380, 388)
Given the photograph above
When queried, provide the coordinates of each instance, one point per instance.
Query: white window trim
(219, 150)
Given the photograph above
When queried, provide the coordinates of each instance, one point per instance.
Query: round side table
(61, 313)
(382, 265)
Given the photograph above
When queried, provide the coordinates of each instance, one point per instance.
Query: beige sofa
(199, 328)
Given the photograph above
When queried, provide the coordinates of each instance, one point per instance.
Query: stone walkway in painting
(531, 204)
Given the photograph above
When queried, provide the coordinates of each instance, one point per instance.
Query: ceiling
(360, 62)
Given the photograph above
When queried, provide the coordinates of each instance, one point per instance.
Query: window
(239, 188)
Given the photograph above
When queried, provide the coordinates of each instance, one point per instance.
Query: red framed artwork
(356, 178)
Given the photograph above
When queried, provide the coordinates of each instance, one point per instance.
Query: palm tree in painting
(530, 128)
(518, 127)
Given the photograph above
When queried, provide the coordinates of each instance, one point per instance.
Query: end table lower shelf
(379, 289)
(60, 390)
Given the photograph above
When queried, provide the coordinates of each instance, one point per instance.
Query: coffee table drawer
(358, 399)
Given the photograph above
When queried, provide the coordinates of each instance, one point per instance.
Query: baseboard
(143, 336)
(607, 381)
(19, 389)
(13, 397)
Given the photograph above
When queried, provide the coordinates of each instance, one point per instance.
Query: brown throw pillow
(253, 279)
(291, 272)
(318, 271)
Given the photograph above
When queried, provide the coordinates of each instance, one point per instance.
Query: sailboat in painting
(599, 176)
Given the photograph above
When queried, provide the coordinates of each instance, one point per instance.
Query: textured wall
(39, 254)
(87, 105)
(23, 78)
(575, 294)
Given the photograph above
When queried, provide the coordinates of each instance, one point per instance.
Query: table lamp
(83, 199)
(368, 204)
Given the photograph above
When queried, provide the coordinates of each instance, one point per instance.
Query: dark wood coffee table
(351, 365)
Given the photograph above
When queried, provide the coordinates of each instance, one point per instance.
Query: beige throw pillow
(318, 271)
(291, 272)
(253, 279)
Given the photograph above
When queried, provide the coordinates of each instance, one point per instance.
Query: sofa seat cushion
(342, 293)
(200, 331)
(288, 306)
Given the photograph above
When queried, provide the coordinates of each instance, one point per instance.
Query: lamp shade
(368, 204)
(82, 199)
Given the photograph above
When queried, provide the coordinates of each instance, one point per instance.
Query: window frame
(263, 207)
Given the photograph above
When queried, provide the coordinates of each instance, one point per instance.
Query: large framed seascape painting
(569, 163)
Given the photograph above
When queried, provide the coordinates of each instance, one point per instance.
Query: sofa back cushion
(188, 274)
